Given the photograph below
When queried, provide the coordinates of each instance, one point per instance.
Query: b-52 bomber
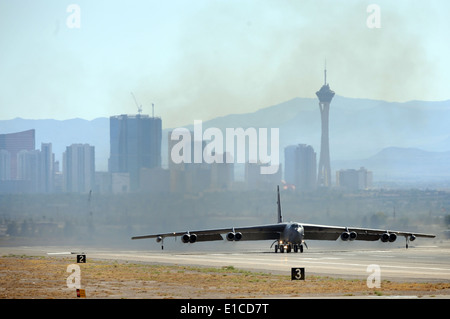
(288, 236)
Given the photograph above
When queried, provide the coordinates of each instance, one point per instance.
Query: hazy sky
(199, 59)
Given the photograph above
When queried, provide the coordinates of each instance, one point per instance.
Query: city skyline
(375, 125)
(303, 177)
(203, 59)
(135, 165)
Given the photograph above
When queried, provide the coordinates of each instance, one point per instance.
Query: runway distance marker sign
(298, 273)
(81, 259)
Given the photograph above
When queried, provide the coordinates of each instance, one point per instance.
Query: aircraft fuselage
(291, 238)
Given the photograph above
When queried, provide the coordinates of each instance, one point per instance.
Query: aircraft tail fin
(280, 218)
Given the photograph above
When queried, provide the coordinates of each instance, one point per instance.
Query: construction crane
(137, 104)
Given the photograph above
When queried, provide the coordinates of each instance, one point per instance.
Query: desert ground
(46, 277)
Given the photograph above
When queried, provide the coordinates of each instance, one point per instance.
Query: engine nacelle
(189, 238)
(412, 238)
(185, 238)
(345, 236)
(348, 235)
(234, 236)
(392, 237)
(388, 237)
(159, 239)
(385, 237)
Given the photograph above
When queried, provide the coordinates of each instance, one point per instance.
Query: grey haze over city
(409, 140)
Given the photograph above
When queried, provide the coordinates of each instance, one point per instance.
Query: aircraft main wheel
(295, 248)
(276, 248)
(301, 248)
(281, 249)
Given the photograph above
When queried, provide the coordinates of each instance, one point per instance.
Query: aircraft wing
(324, 232)
(290, 234)
(261, 232)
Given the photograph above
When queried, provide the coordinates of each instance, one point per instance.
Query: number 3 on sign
(298, 274)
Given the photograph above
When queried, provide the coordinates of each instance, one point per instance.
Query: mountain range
(392, 139)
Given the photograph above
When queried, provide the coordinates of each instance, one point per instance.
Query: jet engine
(345, 236)
(349, 236)
(392, 237)
(189, 238)
(159, 239)
(388, 237)
(412, 237)
(234, 236)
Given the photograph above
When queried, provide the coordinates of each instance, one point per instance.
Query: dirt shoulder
(37, 277)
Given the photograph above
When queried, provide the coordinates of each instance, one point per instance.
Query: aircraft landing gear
(298, 248)
(281, 248)
(288, 248)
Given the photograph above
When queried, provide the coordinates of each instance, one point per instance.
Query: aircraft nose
(300, 233)
(296, 236)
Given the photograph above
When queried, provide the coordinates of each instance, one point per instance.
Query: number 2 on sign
(81, 258)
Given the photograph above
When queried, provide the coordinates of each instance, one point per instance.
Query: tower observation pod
(325, 96)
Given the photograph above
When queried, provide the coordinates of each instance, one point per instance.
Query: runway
(421, 263)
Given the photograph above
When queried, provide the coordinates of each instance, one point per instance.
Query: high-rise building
(186, 173)
(22, 167)
(46, 168)
(325, 96)
(222, 174)
(79, 168)
(353, 179)
(135, 143)
(28, 168)
(37, 168)
(13, 143)
(5, 165)
(254, 180)
(300, 166)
